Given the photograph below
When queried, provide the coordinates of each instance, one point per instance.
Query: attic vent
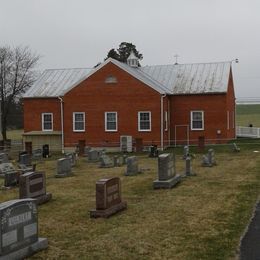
(111, 79)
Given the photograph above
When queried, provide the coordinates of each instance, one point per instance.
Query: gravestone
(235, 148)
(33, 185)
(4, 158)
(86, 150)
(23, 168)
(209, 159)
(21, 153)
(118, 161)
(167, 177)
(153, 151)
(25, 159)
(105, 161)
(124, 159)
(186, 152)
(72, 157)
(108, 198)
(19, 230)
(63, 168)
(10, 179)
(93, 155)
(188, 168)
(37, 154)
(132, 166)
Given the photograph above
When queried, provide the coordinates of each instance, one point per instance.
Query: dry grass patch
(202, 218)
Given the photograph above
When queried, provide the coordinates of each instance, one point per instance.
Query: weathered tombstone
(86, 150)
(153, 151)
(105, 161)
(72, 157)
(10, 179)
(235, 148)
(167, 177)
(4, 158)
(63, 168)
(21, 153)
(108, 198)
(188, 168)
(25, 159)
(118, 161)
(124, 159)
(33, 185)
(186, 152)
(209, 159)
(93, 155)
(37, 154)
(19, 230)
(132, 166)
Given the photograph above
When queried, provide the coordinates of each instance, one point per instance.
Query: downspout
(62, 124)
(162, 128)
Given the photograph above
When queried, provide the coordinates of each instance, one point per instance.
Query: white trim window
(47, 122)
(78, 121)
(144, 121)
(110, 121)
(197, 120)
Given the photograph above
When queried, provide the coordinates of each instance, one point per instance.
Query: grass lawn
(202, 218)
(248, 114)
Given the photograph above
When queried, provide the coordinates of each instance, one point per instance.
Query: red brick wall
(126, 97)
(215, 116)
(33, 109)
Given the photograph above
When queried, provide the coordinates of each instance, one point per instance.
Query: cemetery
(112, 212)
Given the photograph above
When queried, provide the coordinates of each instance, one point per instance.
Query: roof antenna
(176, 56)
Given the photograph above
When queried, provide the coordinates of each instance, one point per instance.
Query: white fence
(252, 132)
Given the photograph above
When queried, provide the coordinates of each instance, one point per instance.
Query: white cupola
(132, 60)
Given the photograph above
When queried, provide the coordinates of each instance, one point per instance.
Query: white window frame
(84, 121)
(110, 130)
(150, 120)
(191, 120)
(43, 114)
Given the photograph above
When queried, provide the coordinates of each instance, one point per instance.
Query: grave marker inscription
(19, 229)
(108, 198)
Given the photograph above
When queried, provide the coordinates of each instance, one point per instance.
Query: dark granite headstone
(153, 151)
(11, 179)
(167, 177)
(19, 229)
(63, 168)
(108, 198)
(132, 166)
(33, 185)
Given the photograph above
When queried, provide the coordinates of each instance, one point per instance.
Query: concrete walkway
(250, 243)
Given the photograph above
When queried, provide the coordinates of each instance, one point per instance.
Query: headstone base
(208, 164)
(27, 251)
(168, 184)
(108, 212)
(63, 175)
(43, 199)
(188, 175)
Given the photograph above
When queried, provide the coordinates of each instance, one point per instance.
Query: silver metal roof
(170, 79)
(191, 78)
(55, 82)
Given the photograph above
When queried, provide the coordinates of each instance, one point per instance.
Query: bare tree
(16, 76)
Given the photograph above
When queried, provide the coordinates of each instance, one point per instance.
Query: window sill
(78, 131)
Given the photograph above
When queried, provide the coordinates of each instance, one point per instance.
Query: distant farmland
(248, 114)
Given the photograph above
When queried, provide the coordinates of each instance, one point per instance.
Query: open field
(202, 218)
(248, 114)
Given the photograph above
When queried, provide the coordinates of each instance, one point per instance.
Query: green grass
(202, 218)
(248, 114)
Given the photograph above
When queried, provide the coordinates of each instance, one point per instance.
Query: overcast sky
(79, 33)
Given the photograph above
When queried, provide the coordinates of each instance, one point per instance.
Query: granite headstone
(63, 168)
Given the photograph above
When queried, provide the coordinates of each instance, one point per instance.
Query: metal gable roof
(192, 78)
(55, 82)
(170, 79)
